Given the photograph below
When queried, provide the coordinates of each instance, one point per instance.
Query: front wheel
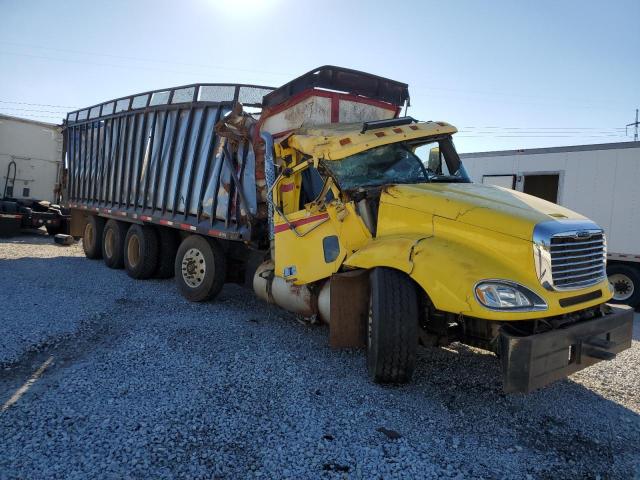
(392, 327)
(625, 283)
(200, 268)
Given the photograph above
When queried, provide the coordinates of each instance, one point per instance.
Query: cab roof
(340, 140)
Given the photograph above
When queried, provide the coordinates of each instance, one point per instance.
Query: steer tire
(625, 280)
(169, 243)
(141, 251)
(113, 245)
(392, 327)
(92, 237)
(200, 268)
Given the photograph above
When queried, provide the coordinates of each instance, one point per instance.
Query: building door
(543, 186)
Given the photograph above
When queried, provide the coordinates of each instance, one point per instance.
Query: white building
(36, 149)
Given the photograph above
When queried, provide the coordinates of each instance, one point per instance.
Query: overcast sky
(508, 74)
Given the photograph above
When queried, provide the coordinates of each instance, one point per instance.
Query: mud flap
(349, 305)
(531, 362)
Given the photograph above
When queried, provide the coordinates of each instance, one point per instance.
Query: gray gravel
(146, 385)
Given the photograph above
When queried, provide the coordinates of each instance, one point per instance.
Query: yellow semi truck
(332, 206)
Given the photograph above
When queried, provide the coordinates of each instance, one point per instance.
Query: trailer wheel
(113, 238)
(625, 282)
(392, 327)
(168, 248)
(92, 237)
(200, 268)
(141, 251)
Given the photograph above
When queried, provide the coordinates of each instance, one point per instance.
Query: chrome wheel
(622, 287)
(193, 268)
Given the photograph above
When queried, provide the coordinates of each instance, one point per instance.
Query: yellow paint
(445, 236)
(324, 142)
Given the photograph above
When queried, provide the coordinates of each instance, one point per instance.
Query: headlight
(507, 295)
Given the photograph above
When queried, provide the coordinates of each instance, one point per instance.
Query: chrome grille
(577, 260)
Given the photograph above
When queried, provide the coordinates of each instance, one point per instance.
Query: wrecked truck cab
(481, 259)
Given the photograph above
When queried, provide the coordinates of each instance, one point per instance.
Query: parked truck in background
(599, 181)
(31, 176)
(332, 206)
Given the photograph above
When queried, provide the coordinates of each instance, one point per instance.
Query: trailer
(32, 171)
(600, 181)
(325, 201)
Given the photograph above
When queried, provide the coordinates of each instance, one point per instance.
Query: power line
(36, 104)
(148, 60)
(31, 110)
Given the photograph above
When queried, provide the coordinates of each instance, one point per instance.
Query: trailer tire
(169, 243)
(392, 329)
(92, 237)
(625, 281)
(113, 239)
(141, 251)
(198, 284)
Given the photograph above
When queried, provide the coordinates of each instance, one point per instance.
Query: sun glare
(244, 8)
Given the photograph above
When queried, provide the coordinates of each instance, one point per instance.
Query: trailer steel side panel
(155, 157)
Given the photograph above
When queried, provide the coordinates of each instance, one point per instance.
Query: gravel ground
(131, 381)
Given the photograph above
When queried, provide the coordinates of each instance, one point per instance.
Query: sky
(508, 74)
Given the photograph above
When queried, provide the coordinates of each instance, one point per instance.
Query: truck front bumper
(531, 362)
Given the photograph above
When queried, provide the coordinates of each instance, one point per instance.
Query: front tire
(141, 251)
(200, 268)
(92, 237)
(392, 327)
(625, 281)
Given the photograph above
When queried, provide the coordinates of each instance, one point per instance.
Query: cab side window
(311, 186)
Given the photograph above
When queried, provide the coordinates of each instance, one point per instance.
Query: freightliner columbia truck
(328, 203)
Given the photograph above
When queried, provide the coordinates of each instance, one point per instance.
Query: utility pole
(635, 124)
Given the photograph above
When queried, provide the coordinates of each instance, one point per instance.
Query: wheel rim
(622, 286)
(133, 251)
(194, 268)
(88, 234)
(109, 241)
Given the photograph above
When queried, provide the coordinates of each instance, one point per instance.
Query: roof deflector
(343, 80)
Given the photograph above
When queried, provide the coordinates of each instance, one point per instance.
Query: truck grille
(577, 261)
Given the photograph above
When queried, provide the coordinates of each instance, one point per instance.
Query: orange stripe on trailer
(303, 221)
(186, 226)
(165, 222)
(124, 214)
(145, 218)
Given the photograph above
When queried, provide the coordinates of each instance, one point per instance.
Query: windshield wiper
(447, 179)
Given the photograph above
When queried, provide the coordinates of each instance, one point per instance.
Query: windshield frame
(450, 156)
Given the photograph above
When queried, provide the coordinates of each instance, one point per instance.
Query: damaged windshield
(433, 161)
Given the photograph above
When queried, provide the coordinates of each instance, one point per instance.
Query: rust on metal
(349, 309)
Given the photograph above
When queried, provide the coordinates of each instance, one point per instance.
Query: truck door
(312, 227)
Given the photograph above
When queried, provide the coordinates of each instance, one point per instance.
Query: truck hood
(493, 208)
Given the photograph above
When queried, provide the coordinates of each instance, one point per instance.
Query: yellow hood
(494, 208)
